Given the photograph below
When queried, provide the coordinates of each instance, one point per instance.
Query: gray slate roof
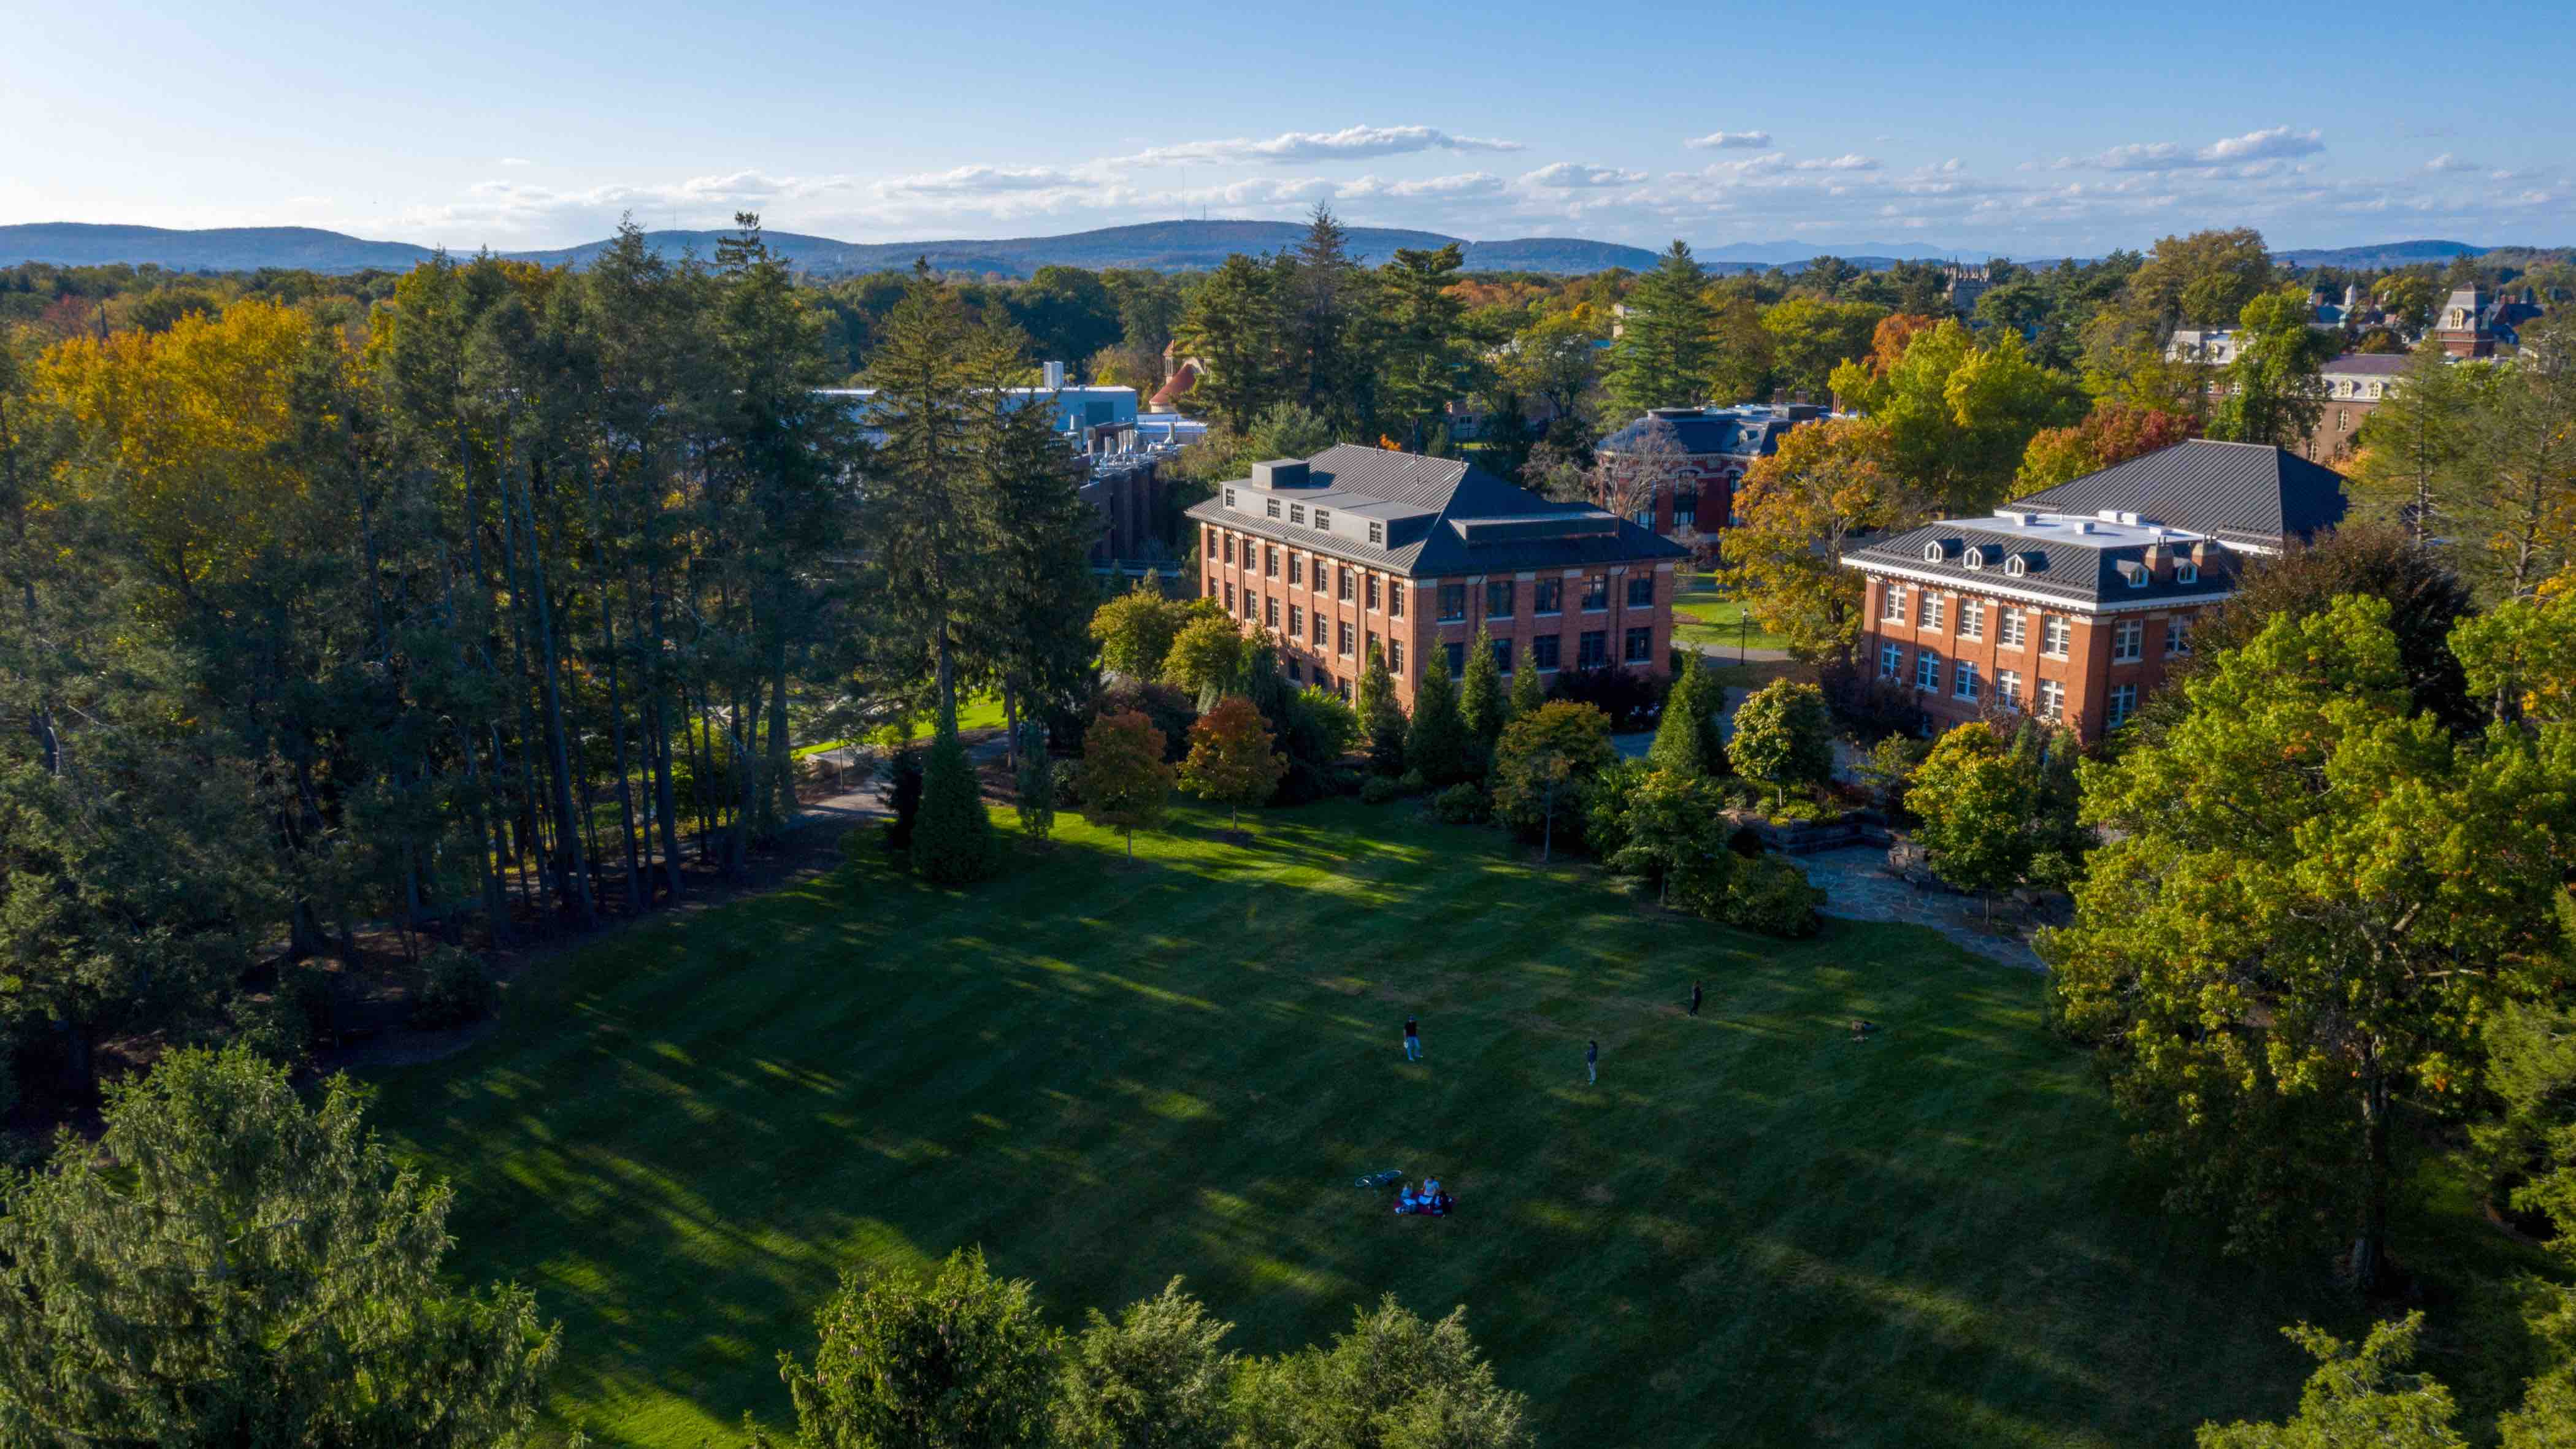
(2082, 569)
(1701, 434)
(1422, 499)
(2368, 364)
(2242, 493)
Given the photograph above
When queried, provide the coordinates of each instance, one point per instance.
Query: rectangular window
(2124, 703)
(1319, 636)
(1377, 534)
(1342, 687)
(1641, 592)
(1323, 518)
(1927, 670)
(1296, 569)
(2052, 699)
(1503, 655)
(1229, 498)
(1498, 599)
(1342, 581)
(1963, 680)
(1457, 658)
(1893, 609)
(1972, 619)
(1273, 509)
(2056, 635)
(1593, 649)
(1596, 593)
(2129, 641)
(2008, 689)
(1372, 591)
(1685, 511)
(1395, 592)
(1395, 656)
(1251, 604)
(1932, 609)
(1296, 672)
(1229, 598)
(1453, 601)
(2015, 629)
(1296, 622)
(1641, 646)
(1229, 548)
(1547, 596)
(1269, 561)
(1543, 650)
(1296, 513)
(1342, 639)
(2177, 637)
(1270, 612)
(1891, 662)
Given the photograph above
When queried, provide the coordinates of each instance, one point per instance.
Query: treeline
(212, 1174)
(491, 610)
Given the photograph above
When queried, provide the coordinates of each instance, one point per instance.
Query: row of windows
(2057, 635)
(1547, 651)
(1966, 684)
(1547, 596)
(1341, 580)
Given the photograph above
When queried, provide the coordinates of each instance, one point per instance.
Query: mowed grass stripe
(1753, 1229)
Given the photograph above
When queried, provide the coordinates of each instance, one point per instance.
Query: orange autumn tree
(1794, 511)
(1888, 341)
(1123, 779)
(1230, 757)
(2113, 433)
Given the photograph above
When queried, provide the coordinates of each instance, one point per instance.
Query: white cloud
(1849, 161)
(979, 181)
(1730, 141)
(1473, 183)
(2449, 162)
(516, 161)
(1348, 144)
(2258, 145)
(1573, 173)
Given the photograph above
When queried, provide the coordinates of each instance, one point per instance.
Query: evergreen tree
(952, 840)
(1481, 704)
(1233, 325)
(2414, 445)
(955, 1356)
(1686, 739)
(1528, 693)
(1381, 719)
(227, 1266)
(1157, 1376)
(1035, 782)
(1437, 744)
(1327, 341)
(1427, 360)
(1666, 341)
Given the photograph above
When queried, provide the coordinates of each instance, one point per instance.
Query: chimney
(1054, 377)
(2200, 553)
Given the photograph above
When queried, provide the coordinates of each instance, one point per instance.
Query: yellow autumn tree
(1794, 511)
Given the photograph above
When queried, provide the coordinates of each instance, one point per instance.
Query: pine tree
(1527, 692)
(1665, 343)
(1438, 745)
(1686, 741)
(1035, 782)
(1481, 704)
(1382, 722)
(952, 841)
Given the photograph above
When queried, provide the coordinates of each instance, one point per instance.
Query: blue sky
(2030, 129)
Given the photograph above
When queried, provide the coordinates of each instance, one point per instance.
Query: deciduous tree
(1975, 809)
(2275, 389)
(1124, 783)
(1158, 1375)
(1783, 737)
(1794, 512)
(954, 1356)
(1545, 762)
(1230, 757)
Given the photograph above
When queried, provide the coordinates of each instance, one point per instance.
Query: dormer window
(2186, 572)
(1229, 498)
(1933, 552)
(1974, 557)
(1296, 513)
(1323, 518)
(1377, 533)
(2015, 566)
(2135, 573)
(1274, 507)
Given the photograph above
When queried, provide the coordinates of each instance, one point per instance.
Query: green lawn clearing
(1754, 1230)
(1703, 616)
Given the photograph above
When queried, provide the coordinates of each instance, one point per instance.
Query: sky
(2022, 128)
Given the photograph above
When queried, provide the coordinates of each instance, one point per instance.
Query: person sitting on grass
(1862, 1028)
(1406, 1202)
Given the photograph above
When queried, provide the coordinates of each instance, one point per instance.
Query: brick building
(1359, 546)
(2068, 604)
(1706, 451)
(2355, 385)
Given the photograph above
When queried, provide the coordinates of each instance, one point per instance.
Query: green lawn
(1753, 1231)
(1701, 615)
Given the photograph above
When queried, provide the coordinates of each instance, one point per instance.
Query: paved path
(1858, 887)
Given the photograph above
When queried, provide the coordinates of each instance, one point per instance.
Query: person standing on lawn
(1592, 1062)
(1694, 998)
(1412, 1040)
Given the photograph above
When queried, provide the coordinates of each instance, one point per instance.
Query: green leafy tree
(1135, 632)
(2310, 893)
(1234, 326)
(1393, 1381)
(1544, 765)
(1662, 350)
(1207, 659)
(2412, 451)
(1784, 737)
(1795, 511)
(1674, 832)
(1528, 692)
(1124, 783)
(1034, 782)
(1975, 809)
(1427, 360)
(2521, 657)
(1687, 741)
(1556, 360)
(1230, 757)
(1481, 701)
(2275, 389)
(1810, 337)
(1381, 719)
(2357, 1396)
(2111, 434)
(2513, 525)
(1437, 744)
(228, 1266)
(1958, 416)
(952, 839)
(1156, 1378)
(951, 1357)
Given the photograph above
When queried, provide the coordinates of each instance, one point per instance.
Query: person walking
(1592, 1062)
(1694, 998)
(1412, 1040)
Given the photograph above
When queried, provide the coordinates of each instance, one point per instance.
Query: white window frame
(1933, 609)
(1972, 618)
(2177, 637)
(2016, 630)
(2124, 703)
(2008, 688)
(1892, 609)
(2052, 699)
(2129, 641)
(2056, 636)
(1963, 679)
(2186, 572)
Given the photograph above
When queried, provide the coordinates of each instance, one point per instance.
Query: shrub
(1772, 897)
(1412, 783)
(952, 841)
(1169, 711)
(1379, 790)
(1865, 706)
(1631, 701)
(456, 989)
(903, 797)
(1605, 826)
(1462, 804)
(1036, 782)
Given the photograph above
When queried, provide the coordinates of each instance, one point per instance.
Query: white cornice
(2002, 590)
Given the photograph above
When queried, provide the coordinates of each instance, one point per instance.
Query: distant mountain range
(1172, 246)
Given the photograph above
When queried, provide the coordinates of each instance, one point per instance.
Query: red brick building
(1698, 456)
(1359, 546)
(2068, 604)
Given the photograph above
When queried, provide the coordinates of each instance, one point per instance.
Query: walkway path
(1858, 887)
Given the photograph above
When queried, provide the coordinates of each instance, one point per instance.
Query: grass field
(1754, 1230)
(1702, 616)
